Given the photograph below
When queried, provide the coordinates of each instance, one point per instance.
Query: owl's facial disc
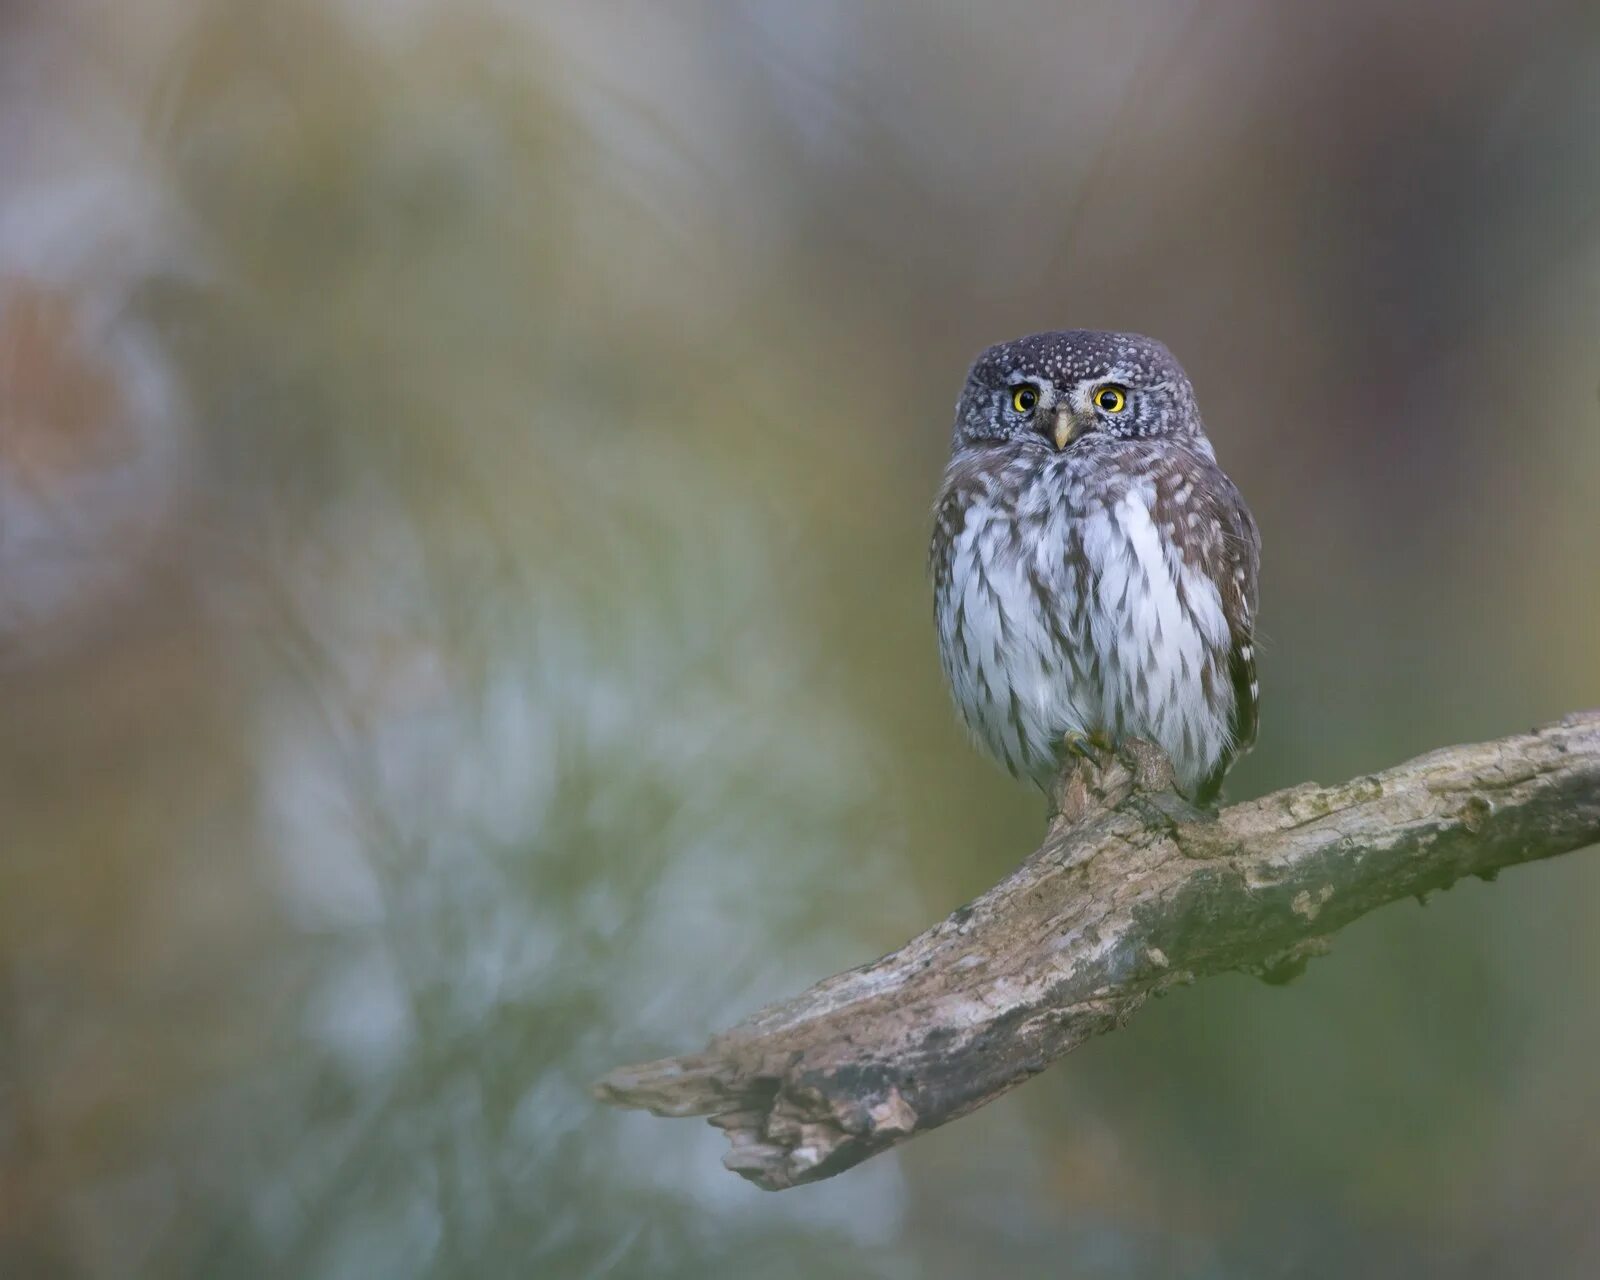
(1048, 391)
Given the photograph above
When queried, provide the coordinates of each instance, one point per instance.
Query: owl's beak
(1070, 425)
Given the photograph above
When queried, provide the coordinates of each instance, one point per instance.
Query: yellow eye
(1111, 399)
(1024, 398)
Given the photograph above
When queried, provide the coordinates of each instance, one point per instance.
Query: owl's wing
(1241, 611)
(1235, 564)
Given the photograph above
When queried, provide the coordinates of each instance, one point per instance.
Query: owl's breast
(1005, 619)
(1157, 630)
(1064, 605)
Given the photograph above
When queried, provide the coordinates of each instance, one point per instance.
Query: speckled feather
(1105, 588)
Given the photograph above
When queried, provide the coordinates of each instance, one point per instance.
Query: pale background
(464, 479)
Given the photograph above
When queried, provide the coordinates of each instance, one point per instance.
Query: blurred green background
(465, 473)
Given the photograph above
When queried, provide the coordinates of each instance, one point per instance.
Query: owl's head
(1053, 390)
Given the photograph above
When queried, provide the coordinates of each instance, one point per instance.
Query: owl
(1094, 570)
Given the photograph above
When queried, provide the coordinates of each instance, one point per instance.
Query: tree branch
(1130, 893)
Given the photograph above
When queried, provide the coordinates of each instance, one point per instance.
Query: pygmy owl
(1094, 570)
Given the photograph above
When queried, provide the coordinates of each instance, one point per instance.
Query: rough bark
(1131, 893)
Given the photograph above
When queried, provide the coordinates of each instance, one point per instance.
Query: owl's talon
(1094, 748)
(1079, 744)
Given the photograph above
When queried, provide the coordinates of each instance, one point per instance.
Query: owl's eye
(1024, 398)
(1111, 399)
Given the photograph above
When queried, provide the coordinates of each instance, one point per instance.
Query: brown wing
(1203, 512)
(1235, 563)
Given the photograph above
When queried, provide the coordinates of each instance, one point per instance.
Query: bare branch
(1130, 893)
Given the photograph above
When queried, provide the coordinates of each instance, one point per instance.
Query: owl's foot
(1156, 793)
(1145, 762)
(1086, 746)
(1153, 796)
